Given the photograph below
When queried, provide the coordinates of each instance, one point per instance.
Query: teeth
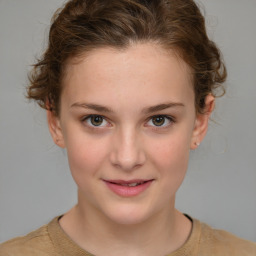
(133, 184)
(130, 184)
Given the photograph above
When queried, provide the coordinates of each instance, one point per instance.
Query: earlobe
(55, 129)
(201, 122)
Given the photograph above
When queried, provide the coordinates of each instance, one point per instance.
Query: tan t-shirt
(51, 240)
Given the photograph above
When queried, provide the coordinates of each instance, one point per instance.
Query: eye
(160, 121)
(95, 121)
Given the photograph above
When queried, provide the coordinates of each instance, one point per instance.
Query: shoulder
(37, 243)
(222, 243)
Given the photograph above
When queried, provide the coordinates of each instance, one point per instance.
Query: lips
(128, 183)
(128, 188)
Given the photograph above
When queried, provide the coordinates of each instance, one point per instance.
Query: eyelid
(171, 119)
(85, 118)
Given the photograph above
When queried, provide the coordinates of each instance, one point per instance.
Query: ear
(55, 129)
(201, 122)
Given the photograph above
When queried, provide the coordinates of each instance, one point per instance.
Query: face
(127, 120)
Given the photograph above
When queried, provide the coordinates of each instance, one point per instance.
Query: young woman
(128, 87)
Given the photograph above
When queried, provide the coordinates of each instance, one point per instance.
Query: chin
(128, 215)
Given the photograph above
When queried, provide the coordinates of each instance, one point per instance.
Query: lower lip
(126, 191)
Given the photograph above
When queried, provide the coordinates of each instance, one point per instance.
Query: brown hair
(83, 25)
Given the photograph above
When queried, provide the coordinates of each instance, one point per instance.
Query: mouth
(131, 183)
(128, 188)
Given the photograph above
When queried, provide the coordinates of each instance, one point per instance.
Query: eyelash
(85, 118)
(170, 119)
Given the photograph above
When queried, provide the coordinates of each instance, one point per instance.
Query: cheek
(86, 155)
(170, 157)
(171, 150)
(173, 158)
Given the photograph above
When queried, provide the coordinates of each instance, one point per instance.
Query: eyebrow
(147, 110)
(92, 106)
(162, 107)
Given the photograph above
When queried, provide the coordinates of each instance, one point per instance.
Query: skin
(128, 145)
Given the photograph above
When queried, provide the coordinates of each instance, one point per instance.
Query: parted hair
(84, 25)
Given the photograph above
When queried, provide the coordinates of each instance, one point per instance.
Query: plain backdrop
(35, 183)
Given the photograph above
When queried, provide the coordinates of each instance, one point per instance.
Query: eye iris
(158, 120)
(96, 120)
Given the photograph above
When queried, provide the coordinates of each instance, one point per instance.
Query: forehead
(145, 70)
(139, 53)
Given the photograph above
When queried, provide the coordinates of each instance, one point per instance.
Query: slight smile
(128, 188)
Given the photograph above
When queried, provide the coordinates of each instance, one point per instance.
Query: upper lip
(128, 181)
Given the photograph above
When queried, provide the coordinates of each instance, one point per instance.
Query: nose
(127, 150)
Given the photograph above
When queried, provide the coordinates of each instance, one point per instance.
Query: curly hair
(83, 25)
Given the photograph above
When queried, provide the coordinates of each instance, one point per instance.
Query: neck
(160, 234)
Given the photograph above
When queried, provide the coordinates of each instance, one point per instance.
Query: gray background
(35, 183)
